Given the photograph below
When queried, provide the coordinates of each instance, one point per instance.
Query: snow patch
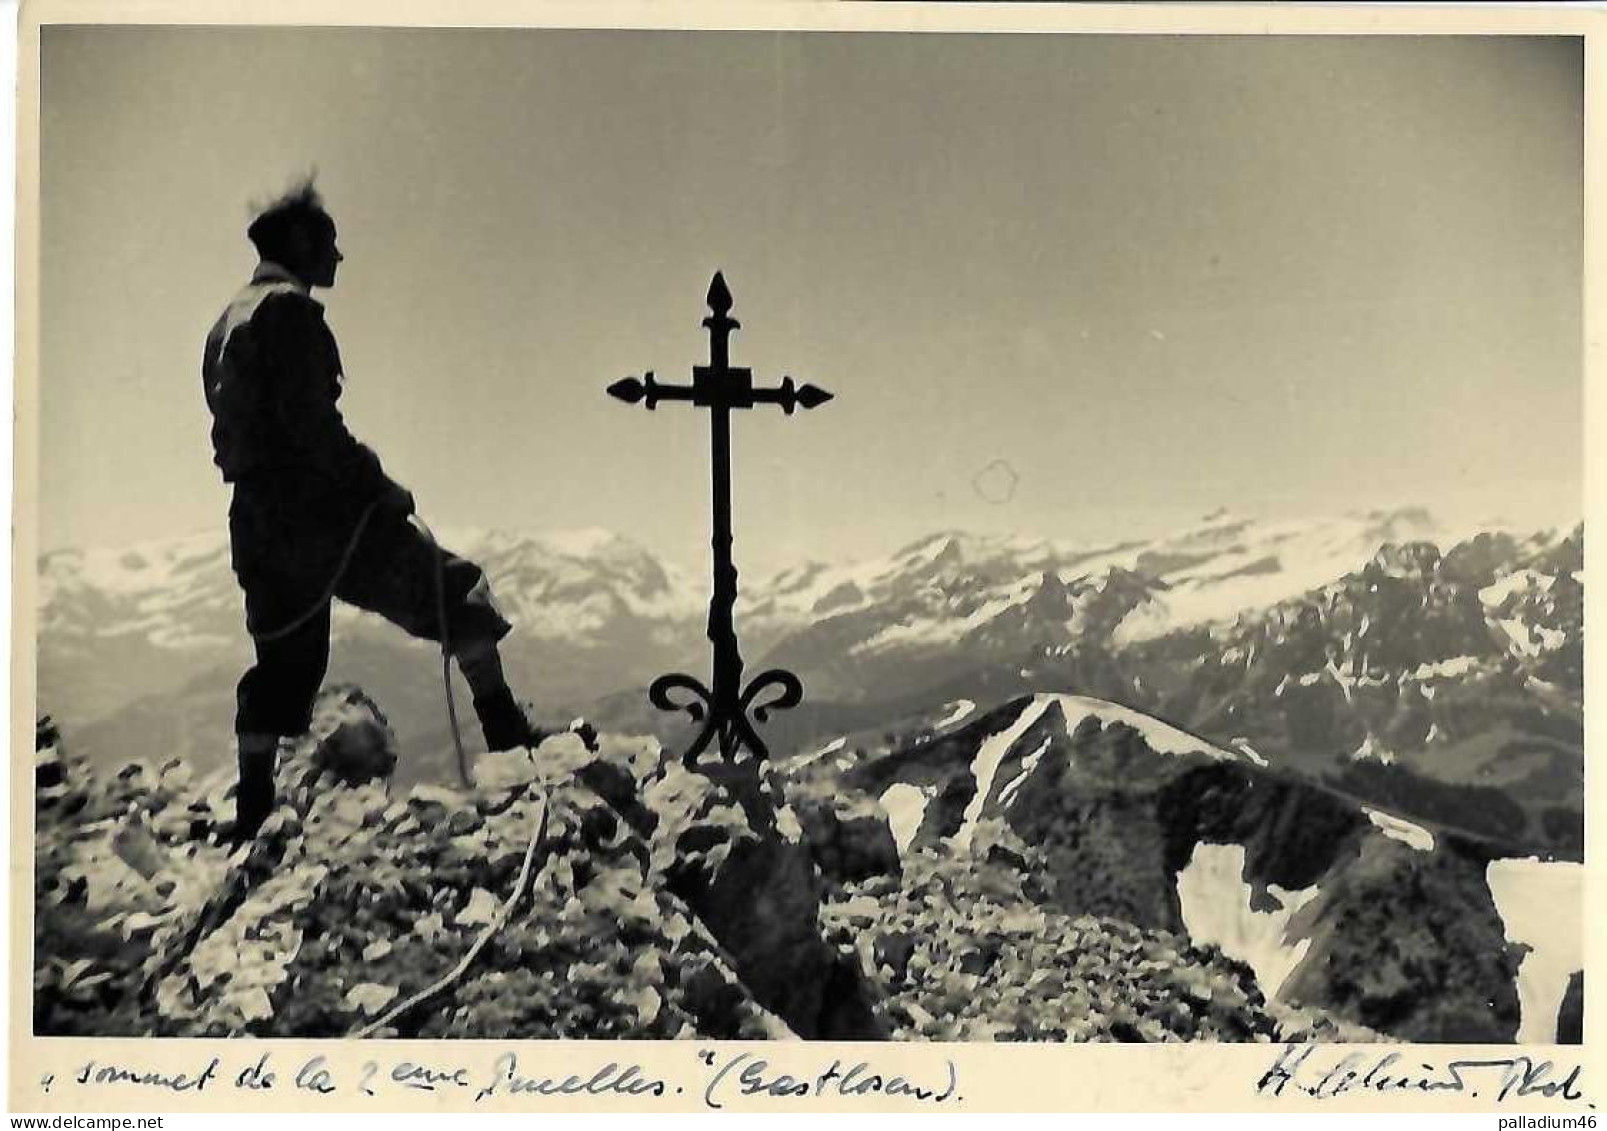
(931, 631)
(1225, 580)
(1345, 683)
(1217, 911)
(959, 709)
(1162, 737)
(905, 806)
(1403, 831)
(1007, 795)
(1531, 640)
(989, 756)
(1445, 669)
(831, 747)
(1242, 745)
(1515, 582)
(1541, 904)
(1372, 750)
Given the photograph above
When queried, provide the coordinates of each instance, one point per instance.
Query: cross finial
(719, 299)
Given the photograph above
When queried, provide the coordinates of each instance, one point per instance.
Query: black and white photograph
(794, 534)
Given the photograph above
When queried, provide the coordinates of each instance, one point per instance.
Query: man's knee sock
(254, 794)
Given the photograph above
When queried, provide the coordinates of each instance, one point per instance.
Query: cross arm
(789, 396)
(631, 390)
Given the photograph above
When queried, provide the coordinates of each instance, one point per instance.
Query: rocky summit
(572, 893)
(570, 917)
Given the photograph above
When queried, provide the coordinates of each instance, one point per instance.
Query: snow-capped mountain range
(178, 594)
(1346, 638)
(119, 626)
(1209, 571)
(948, 601)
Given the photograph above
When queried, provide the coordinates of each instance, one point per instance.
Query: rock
(48, 768)
(759, 895)
(982, 957)
(369, 997)
(1011, 856)
(495, 804)
(712, 997)
(480, 910)
(1412, 945)
(137, 848)
(407, 826)
(849, 837)
(354, 741)
(1410, 559)
(616, 784)
(355, 808)
(431, 928)
(430, 805)
(861, 909)
(712, 924)
(499, 771)
(176, 776)
(423, 795)
(560, 757)
(463, 821)
(893, 951)
(1571, 1017)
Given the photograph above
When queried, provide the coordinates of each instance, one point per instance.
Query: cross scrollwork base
(727, 721)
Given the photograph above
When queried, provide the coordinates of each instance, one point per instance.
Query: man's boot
(254, 794)
(504, 721)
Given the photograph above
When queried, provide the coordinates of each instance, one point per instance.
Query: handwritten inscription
(747, 1075)
(94, 1072)
(714, 1079)
(610, 1079)
(1310, 1071)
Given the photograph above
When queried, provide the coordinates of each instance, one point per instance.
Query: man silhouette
(314, 515)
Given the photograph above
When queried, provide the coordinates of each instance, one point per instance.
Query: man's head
(296, 233)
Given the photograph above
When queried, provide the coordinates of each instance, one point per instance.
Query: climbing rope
(491, 928)
(446, 652)
(506, 911)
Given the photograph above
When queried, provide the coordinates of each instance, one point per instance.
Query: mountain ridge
(1132, 818)
(1481, 688)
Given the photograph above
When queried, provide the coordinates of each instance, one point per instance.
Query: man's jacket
(272, 377)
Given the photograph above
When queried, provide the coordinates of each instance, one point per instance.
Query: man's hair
(274, 230)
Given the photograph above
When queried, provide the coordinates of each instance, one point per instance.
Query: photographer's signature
(1309, 1070)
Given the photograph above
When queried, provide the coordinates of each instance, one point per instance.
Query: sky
(1065, 286)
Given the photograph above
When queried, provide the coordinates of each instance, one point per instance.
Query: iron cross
(723, 709)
